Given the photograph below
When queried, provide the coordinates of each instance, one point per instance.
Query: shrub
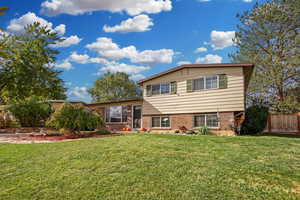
(5, 119)
(255, 120)
(71, 119)
(203, 130)
(31, 112)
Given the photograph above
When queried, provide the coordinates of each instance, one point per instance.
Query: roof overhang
(195, 66)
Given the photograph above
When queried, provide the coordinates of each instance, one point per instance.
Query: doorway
(137, 116)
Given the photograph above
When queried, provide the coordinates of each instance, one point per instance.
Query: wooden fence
(283, 123)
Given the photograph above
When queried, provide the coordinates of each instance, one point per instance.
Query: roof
(196, 66)
(64, 101)
(119, 101)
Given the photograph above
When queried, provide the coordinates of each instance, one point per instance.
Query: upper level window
(161, 88)
(207, 83)
(211, 82)
(116, 114)
(165, 88)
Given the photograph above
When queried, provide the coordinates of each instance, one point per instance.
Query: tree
(268, 36)
(26, 66)
(114, 87)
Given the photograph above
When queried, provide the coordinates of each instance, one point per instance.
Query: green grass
(141, 166)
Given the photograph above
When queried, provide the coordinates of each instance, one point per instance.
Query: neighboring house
(189, 96)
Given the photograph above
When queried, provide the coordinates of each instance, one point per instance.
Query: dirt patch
(47, 139)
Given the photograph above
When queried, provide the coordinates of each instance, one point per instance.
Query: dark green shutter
(189, 85)
(173, 87)
(149, 90)
(223, 81)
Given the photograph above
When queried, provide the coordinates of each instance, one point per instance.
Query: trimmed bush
(255, 120)
(31, 112)
(72, 119)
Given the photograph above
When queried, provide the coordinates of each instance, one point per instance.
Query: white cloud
(72, 40)
(221, 39)
(247, 1)
(18, 25)
(204, 0)
(66, 65)
(79, 92)
(137, 77)
(81, 59)
(183, 62)
(114, 67)
(132, 7)
(200, 49)
(110, 50)
(152, 57)
(138, 23)
(60, 29)
(209, 58)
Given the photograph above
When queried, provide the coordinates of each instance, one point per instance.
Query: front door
(137, 116)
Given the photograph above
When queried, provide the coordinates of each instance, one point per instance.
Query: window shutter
(149, 90)
(189, 85)
(223, 81)
(173, 87)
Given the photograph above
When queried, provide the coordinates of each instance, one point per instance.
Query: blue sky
(139, 37)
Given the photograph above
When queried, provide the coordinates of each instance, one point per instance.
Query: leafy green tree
(114, 87)
(26, 66)
(268, 36)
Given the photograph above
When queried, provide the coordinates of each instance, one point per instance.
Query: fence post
(269, 123)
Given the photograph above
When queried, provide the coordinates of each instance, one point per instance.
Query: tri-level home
(187, 96)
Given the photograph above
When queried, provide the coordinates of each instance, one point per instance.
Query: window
(161, 88)
(116, 114)
(156, 89)
(165, 88)
(160, 122)
(210, 120)
(198, 84)
(199, 120)
(211, 82)
(165, 122)
(155, 122)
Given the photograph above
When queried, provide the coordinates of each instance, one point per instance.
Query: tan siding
(216, 100)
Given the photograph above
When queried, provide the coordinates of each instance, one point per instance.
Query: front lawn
(153, 167)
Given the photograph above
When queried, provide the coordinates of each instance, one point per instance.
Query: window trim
(204, 78)
(170, 88)
(160, 118)
(205, 119)
(121, 122)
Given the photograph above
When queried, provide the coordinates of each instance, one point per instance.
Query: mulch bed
(60, 138)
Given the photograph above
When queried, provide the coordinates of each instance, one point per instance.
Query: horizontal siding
(215, 100)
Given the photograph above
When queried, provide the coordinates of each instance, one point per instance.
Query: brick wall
(226, 123)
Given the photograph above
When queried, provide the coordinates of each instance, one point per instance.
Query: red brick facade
(226, 123)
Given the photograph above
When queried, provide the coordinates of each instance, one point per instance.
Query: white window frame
(109, 121)
(205, 120)
(159, 89)
(205, 88)
(160, 118)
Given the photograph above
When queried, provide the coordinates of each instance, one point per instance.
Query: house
(188, 96)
